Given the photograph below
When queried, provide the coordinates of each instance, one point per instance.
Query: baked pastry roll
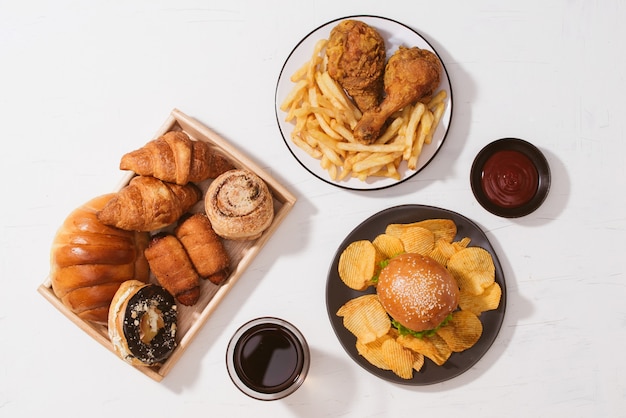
(173, 269)
(204, 247)
(239, 205)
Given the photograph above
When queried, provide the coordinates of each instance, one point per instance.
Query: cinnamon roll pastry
(239, 205)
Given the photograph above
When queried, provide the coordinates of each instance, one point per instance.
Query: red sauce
(509, 179)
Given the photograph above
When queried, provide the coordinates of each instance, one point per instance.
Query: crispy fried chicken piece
(410, 74)
(356, 60)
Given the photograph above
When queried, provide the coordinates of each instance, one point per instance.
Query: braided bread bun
(89, 261)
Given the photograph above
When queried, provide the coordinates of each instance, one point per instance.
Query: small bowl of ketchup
(510, 177)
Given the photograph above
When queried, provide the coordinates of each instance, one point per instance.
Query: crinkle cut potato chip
(486, 301)
(418, 362)
(442, 228)
(462, 331)
(473, 269)
(399, 358)
(462, 243)
(444, 250)
(433, 347)
(418, 240)
(438, 256)
(373, 351)
(388, 245)
(365, 317)
(357, 264)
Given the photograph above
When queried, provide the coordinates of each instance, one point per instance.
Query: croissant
(204, 247)
(147, 204)
(175, 158)
(90, 260)
(173, 269)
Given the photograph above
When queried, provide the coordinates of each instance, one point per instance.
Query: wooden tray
(192, 318)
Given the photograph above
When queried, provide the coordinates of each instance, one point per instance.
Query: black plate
(337, 293)
(537, 158)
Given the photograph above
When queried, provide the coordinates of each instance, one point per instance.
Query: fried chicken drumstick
(356, 60)
(410, 74)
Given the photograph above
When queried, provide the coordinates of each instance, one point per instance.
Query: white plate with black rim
(395, 34)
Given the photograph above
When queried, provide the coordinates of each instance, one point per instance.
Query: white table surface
(81, 84)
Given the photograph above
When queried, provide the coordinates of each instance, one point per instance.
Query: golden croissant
(175, 158)
(147, 204)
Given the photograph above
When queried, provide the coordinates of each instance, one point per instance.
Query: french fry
(312, 151)
(331, 155)
(392, 171)
(328, 141)
(374, 160)
(437, 98)
(321, 119)
(295, 94)
(342, 130)
(411, 128)
(422, 132)
(437, 113)
(391, 132)
(315, 60)
(338, 93)
(370, 148)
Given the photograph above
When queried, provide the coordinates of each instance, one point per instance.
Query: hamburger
(418, 293)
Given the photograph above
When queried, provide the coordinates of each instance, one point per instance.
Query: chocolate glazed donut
(142, 324)
(239, 205)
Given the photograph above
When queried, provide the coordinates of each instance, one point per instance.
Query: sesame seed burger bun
(417, 291)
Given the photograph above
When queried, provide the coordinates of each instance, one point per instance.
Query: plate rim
(373, 187)
(349, 346)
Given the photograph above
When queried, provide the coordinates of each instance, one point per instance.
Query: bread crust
(417, 291)
(89, 260)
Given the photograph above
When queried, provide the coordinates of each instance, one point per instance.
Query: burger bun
(417, 291)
